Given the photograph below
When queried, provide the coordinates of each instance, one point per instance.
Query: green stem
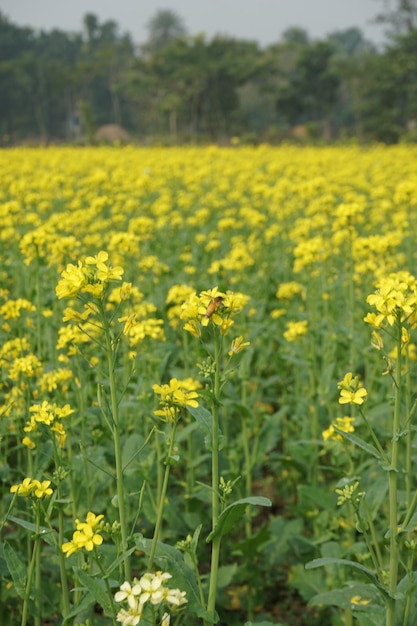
(61, 557)
(162, 498)
(38, 310)
(248, 482)
(409, 436)
(33, 567)
(81, 409)
(409, 594)
(351, 296)
(116, 443)
(215, 504)
(393, 480)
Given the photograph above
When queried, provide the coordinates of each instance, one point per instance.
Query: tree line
(60, 86)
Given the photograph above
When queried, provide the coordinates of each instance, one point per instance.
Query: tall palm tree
(164, 27)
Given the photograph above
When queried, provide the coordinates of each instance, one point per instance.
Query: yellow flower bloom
(344, 424)
(23, 489)
(353, 397)
(34, 487)
(237, 345)
(87, 535)
(359, 601)
(211, 307)
(351, 390)
(73, 280)
(296, 330)
(41, 489)
(176, 394)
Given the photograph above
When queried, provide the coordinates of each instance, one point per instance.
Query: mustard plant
(393, 320)
(89, 281)
(214, 310)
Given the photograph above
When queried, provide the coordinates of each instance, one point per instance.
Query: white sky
(260, 20)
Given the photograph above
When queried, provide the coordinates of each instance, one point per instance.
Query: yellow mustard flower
(34, 487)
(86, 536)
(351, 390)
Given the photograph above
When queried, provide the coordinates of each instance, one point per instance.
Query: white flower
(129, 593)
(166, 619)
(131, 617)
(175, 597)
(152, 587)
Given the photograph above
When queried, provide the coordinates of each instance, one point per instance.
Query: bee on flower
(212, 307)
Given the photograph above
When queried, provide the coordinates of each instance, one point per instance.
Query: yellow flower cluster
(295, 330)
(50, 415)
(351, 390)
(174, 396)
(32, 487)
(211, 307)
(90, 277)
(87, 535)
(395, 299)
(345, 424)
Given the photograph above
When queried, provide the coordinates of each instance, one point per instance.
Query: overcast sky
(260, 20)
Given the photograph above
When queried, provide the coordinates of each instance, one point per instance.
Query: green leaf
(367, 447)
(17, 569)
(171, 560)
(234, 512)
(132, 447)
(321, 498)
(338, 597)
(368, 573)
(116, 562)
(98, 590)
(45, 533)
(204, 419)
(79, 608)
(253, 544)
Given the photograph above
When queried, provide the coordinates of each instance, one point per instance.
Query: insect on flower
(214, 305)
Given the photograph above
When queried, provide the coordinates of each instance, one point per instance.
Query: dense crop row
(190, 351)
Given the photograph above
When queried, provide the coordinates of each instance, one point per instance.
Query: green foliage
(179, 87)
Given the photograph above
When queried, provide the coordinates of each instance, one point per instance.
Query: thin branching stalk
(162, 496)
(393, 484)
(34, 568)
(215, 501)
(115, 424)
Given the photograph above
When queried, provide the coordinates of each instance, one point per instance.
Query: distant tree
(390, 93)
(349, 42)
(91, 23)
(101, 71)
(164, 27)
(295, 35)
(17, 80)
(191, 85)
(311, 89)
(399, 15)
(352, 56)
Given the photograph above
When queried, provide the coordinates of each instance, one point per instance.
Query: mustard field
(208, 385)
